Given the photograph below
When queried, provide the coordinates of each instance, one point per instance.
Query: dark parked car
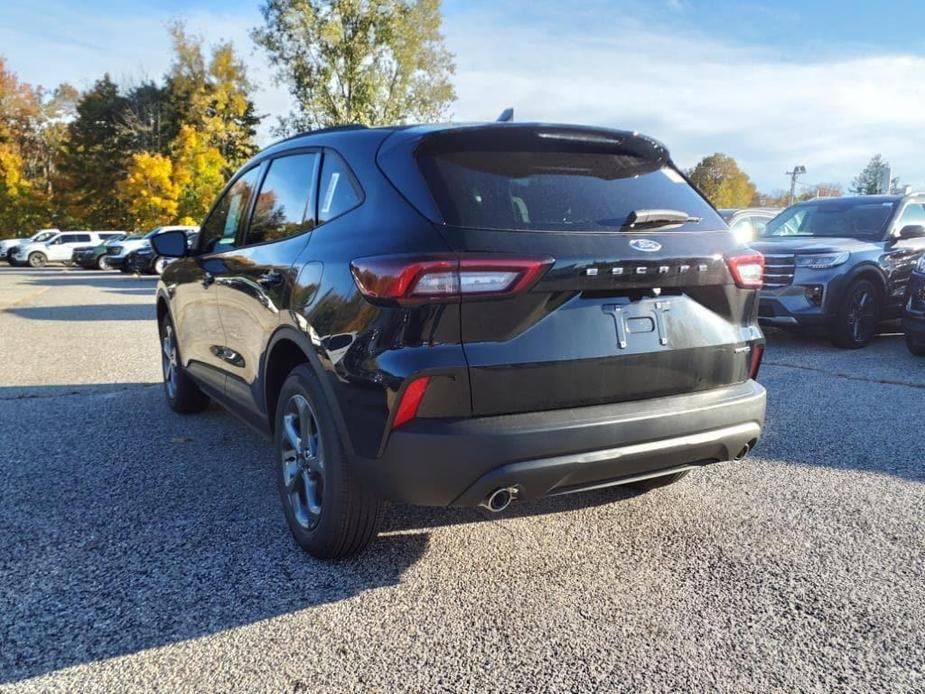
(463, 316)
(914, 315)
(145, 261)
(94, 257)
(841, 264)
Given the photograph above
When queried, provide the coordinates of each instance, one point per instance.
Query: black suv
(465, 315)
(841, 264)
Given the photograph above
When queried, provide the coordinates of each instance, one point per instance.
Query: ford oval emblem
(646, 245)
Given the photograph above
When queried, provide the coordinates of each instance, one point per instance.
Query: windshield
(557, 190)
(44, 236)
(856, 219)
(151, 233)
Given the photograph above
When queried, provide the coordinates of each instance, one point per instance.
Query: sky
(822, 83)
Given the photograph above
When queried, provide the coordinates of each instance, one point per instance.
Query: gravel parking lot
(142, 550)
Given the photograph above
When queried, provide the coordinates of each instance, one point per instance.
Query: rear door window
(557, 190)
(285, 204)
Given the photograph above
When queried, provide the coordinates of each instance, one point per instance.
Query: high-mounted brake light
(747, 270)
(420, 280)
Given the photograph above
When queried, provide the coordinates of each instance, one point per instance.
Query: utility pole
(798, 170)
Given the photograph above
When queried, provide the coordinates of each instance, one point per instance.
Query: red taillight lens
(757, 354)
(410, 401)
(747, 270)
(411, 280)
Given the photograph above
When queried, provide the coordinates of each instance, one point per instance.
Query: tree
(149, 193)
(95, 157)
(721, 180)
(30, 133)
(198, 174)
(212, 96)
(370, 62)
(870, 180)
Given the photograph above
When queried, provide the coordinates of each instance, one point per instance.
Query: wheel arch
(867, 271)
(286, 349)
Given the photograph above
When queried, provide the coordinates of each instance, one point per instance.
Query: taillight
(418, 280)
(757, 354)
(410, 401)
(747, 270)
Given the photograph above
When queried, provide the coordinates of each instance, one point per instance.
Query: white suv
(8, 246)
(58, 248)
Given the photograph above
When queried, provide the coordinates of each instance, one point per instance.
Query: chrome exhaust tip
(499, 499)
(744, 452)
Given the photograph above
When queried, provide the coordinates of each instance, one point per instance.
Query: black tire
(658, 482)
(330, 514)
(858, 316)
(37, 259)
(182, 393)
(916, 348)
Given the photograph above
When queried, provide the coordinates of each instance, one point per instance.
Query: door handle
(207, 279)
(270, 279)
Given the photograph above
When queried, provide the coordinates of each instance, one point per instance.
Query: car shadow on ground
(160, 529)
(84, 278)
(86, 312)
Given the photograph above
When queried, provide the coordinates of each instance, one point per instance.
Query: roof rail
(331, 129)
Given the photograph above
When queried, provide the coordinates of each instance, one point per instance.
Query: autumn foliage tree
(148, 191)
(720, 179)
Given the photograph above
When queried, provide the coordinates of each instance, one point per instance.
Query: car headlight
(821, 261)
(920, 266)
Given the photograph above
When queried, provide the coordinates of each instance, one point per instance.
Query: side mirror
(171, 244)
(912, 231)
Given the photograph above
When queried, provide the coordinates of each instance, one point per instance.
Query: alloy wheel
(862, 314)
(159, 265)
(302, 461)
(169, 361)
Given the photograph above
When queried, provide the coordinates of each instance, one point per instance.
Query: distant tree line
(125, 157)
(723, 182)
(134, 156)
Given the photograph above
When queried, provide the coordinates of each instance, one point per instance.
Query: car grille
(778, 271)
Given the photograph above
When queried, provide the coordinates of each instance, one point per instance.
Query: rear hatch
(628, 308)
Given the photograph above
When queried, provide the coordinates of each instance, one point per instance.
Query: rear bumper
(460, 462)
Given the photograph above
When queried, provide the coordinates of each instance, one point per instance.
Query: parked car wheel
(858, 316)
(328, 512)
(102, 263)
(37, 259)
(159, 265)
(183, 395)
(657, 482)
(916, 348)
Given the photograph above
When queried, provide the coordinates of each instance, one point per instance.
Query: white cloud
(697, 94)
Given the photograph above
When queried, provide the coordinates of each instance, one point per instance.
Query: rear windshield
(557, 190)
(858, 219)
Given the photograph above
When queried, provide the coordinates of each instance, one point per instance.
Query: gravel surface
(141, 550)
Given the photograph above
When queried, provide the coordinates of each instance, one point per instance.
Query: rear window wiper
(648, 218)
